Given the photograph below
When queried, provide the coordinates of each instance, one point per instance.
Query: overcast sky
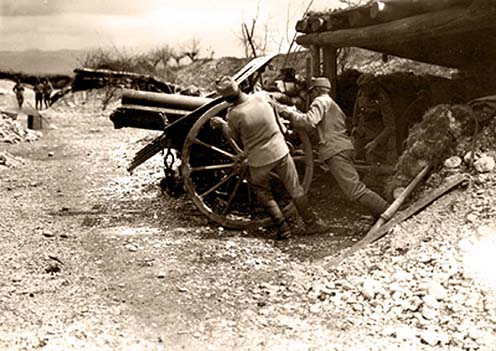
(142, 24)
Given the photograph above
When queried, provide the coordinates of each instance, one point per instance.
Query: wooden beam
(330, 67)
(412, 6)
(316, 60)
(430, 25)
(316, 23)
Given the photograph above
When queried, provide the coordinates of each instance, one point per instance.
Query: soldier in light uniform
(335, 147)
(252, 121)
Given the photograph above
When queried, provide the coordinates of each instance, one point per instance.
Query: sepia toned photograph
(251, 175)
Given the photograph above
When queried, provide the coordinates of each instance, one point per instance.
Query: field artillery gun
(214, 168)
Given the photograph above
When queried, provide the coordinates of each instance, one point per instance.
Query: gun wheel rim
(230, 187)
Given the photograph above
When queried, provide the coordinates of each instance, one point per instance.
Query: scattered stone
(50, 154)
(484, 164)
(472, 217)
(437, 291)
(315, 308)
(369, 288)
(453, 162)
(430, 301)
(428, 313)
(52, 268)
(430, 337)
(405, 332)
(13, 132)
(48, 234)
(131, 248)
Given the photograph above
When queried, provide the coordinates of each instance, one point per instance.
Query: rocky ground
(95, 258)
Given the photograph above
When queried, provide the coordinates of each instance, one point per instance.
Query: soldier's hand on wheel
(217, 122)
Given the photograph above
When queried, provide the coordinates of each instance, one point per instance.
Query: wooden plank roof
(454, 33)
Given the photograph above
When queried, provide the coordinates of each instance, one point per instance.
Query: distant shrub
(161, 62)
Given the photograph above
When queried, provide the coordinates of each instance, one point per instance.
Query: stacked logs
(375, 12)
(87, 78)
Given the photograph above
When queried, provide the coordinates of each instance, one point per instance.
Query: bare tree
(160, 55)
(254, 37)
(177, 56)
(192, 49)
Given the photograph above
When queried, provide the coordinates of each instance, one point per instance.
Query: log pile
(87, 78)
(375, 12)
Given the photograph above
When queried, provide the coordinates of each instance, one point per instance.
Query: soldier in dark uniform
(18, 89)
(374, 123)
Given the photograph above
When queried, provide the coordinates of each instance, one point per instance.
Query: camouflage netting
(432, 140)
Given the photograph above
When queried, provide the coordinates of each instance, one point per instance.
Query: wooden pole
(308, 77)
(315, 60)
(330, 67)
(402, 216)
(391, 210)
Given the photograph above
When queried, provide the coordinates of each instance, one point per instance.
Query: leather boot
(312, 224)
(283, 229)
(374, 203)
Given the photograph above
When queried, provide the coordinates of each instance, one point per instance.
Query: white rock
(131, 248)
(453, 162)
(429, 313)
(475, 333)
(430, 301)
(430, 337)
(412, 304)
(402, 276)
(484, 164)
(315, 308)
(405, 332)
(369, 288)
(437, 291)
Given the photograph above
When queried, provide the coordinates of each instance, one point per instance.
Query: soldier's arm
(315, 114)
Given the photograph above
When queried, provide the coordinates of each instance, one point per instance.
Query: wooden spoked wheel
(216, 174)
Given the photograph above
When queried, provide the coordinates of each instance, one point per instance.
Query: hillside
(40, 62)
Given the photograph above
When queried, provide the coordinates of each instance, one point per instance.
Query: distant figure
(18, 89)
(47, 92)
(38, 95)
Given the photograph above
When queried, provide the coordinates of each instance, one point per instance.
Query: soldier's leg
(259, 179)
(346, 175)
(286, 170)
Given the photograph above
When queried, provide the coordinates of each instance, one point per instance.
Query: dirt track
(95, 258)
